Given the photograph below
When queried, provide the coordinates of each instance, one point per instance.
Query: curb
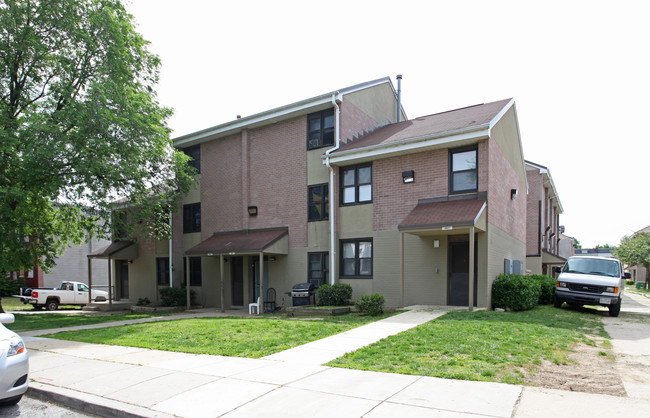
(89, 403)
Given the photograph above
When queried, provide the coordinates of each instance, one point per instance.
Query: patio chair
(254, 305)
(269, 302)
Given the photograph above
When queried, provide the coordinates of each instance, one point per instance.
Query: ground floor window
(356, 258)
(195, 270)
(162, 271)
(318, 268)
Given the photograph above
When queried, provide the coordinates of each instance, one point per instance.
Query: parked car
(589, 280)
(69, 293)
(14, 364)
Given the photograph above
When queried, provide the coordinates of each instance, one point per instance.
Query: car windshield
(592, 266)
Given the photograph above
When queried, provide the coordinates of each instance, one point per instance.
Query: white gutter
(336, 97)
(171, 255)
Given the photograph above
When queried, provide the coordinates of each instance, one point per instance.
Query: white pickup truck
(586, 280)
(69, 293)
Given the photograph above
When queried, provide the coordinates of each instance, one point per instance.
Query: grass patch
(31, 322)
(483, 345)
(236, 337)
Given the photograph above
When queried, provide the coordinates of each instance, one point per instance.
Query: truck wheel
(557, 302)
(614, 310)
(51, 305)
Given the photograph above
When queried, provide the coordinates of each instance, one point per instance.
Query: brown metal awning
(270, 241)
(117, 250)
(548, 258)
(445, 216)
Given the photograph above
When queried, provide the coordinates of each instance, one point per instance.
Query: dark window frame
(323, 204)
(323, 258)
(356, 186)
(192, 218)
(195, 271)
(452, 152)
(194, 152)
(357, 260)
(323, 137)
(162, 271)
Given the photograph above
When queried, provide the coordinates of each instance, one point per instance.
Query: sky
(579, 72)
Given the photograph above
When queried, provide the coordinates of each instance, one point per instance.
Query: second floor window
(356, 185)
(320, 129)
(192, 218)
(463, 170)
(318, 201)
(194, 152)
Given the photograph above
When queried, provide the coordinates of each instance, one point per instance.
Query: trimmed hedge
(175, 296)
(370, 304)
(337, 294)
(547, 288)
(515, 292)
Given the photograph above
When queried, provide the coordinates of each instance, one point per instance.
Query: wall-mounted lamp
(408, 176)
(130, 261)
(513, 194)
(252, 211)
(272, 258)
(436, 244)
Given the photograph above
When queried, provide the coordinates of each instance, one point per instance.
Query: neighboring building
(334, 189)
(566, 246)
(600, 252)
(542, 221)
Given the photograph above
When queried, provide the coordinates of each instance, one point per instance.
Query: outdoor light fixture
(513, 194)
(252, 210)
(408, 176)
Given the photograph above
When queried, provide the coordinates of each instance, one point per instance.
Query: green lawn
(483, 345)
(15, 304)
(237, 337)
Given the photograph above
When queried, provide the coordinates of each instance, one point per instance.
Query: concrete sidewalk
(126, 381)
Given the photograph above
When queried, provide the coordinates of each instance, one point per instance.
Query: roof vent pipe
(399, 97)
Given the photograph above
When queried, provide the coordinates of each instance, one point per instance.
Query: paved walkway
(126, 381)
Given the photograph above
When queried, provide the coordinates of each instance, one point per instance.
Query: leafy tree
(635, 250)
(576, 244)
(81, 128)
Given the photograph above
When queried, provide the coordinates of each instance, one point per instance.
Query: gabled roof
(441, 130)
(303, 107)
(548, 182)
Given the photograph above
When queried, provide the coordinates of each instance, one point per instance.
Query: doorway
(124, 279)
(458, 282)
(237, 277)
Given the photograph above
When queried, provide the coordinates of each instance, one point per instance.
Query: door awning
(548, 258)
(445, 216)
(270, 241)
(126, 250)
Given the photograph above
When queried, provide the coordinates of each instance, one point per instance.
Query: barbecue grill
(302, 294)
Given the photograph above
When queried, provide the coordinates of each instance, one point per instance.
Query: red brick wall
(533, 237)
(508, 215)
(221, 176)
(354, 121)
(278, 178)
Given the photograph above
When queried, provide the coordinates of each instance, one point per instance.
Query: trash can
(640, 285)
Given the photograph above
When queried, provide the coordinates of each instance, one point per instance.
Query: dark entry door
(124, 279)
(458, 285)
(237, 275)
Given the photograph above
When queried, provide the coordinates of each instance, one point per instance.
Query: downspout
(171, 256)
(399, 97)
(336, 97)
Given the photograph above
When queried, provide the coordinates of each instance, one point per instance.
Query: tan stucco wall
(534, 265)
(378, 102)
(317, 172)
(500, 246)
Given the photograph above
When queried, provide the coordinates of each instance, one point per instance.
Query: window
(192, 218)
(463, 170)
(356, 185)
(195, 270)
(318, 268)
(320, 129)
(194, 152)
(356, 258)
(162, 271)
(318, 201)
(82, 287)
(119, 225)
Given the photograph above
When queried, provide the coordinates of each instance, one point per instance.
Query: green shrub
(10, 287)
(371, 305)
(175, 296)
(515, 292)
(547, 288)
(143, 302)
(337, 294)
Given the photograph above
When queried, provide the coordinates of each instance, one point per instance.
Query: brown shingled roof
(238, 241)
(432, 125)
(447, 213)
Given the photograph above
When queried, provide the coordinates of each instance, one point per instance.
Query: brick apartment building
(543, 230)
(335, 189)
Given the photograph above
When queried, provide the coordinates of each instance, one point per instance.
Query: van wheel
(51, 305)
(614, 310)
(557, 302)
